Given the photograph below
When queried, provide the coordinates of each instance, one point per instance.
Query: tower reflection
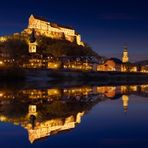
(125, 100)
(49, 111)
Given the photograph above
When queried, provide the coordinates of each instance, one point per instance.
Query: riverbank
(29, 75)
(12, 74)
(67, 75)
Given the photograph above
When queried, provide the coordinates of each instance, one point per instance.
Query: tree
(15, 47)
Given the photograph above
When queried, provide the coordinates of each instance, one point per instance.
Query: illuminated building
(126, 65)
(77, 91)
(83, 63)
(144, 88)
(125, 100)
(53, 65)
(53, 126)
(52, 30)
(144, 69)
(108, 91)
(112, 64)
(134, 88)
(32, 43)
(3, 38)
(125, 60)
(125, 57)
(41, 94)
(32, 110)
(133, 69)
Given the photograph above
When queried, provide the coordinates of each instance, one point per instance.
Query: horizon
(106, 26)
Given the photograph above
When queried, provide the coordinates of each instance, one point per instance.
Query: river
(76, 115)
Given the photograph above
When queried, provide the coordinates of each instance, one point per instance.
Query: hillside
(17, 45)
(142, 63)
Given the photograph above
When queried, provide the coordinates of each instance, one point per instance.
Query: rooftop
(55, 25)
(116, 60)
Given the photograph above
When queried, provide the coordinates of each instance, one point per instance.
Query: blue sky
(104, 24)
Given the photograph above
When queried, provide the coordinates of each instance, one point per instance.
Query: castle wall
(49, 127)
(47, 27)
(52, 30)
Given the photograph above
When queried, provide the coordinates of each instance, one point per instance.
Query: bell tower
(32, 42)
(125, 57)
(125, 100)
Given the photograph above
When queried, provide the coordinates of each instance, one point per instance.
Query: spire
(125, 57)
(31, 15)
(125, 100)
(125, 49)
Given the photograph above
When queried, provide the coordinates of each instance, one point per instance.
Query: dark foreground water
(74, 116)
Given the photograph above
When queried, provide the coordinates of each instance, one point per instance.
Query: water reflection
(49, 111)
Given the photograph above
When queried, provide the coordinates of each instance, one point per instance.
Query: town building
(36, 60)
(112, 64)
(144, 69)
(84, 63)
(115, 64)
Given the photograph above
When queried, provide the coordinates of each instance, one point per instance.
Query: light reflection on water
(76, 116)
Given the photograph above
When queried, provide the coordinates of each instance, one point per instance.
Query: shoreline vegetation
(17, 46)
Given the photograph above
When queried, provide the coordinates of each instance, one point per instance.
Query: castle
(52, 30)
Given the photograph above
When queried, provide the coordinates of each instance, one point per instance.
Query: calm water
(74, 116)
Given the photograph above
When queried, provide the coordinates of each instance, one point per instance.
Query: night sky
(104, 24)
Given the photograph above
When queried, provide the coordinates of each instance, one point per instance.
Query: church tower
(32, 42)
(125, 57)
(125, 100)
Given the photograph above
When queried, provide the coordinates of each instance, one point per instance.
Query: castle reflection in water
(45, 112)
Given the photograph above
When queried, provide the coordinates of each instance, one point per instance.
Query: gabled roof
(55, 25)
(40, 18)
(62, 26)
(116, 60)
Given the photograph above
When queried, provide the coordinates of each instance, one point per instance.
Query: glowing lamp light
(1, 63)
(1, 94)
(55, 65)
(3, 118)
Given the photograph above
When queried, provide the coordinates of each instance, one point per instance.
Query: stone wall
(52, 30)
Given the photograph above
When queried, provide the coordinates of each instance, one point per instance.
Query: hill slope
(17, 45)
(142, 63)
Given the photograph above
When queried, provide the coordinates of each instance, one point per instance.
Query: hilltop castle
(52, 30)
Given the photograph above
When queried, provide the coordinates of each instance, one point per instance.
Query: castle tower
(78, 40)
(32, 110)
(125, 57)
(32, 42)
(125, 100)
